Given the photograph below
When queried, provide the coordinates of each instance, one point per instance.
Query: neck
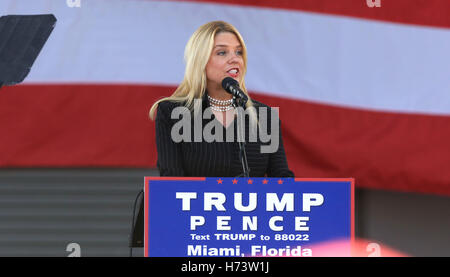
(218, 93)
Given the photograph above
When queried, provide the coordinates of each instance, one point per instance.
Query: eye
(239, 52)
(221, 53)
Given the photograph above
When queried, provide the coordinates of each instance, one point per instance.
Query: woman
(215, 51)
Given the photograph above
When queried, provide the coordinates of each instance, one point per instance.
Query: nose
(234, 58)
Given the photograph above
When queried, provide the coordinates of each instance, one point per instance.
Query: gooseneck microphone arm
(241, 138)
(239, 100)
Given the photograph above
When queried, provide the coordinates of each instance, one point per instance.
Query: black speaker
(21, 39)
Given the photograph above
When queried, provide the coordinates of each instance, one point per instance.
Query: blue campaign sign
(245, 217)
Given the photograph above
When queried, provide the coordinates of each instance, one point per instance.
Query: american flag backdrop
(363, 92)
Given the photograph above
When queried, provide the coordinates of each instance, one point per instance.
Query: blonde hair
(196, 55)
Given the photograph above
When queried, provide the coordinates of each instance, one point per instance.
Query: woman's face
(225, 61)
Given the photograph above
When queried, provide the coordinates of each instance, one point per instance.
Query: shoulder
(168, 105)
(261, 107)
(258, 104)
(266, 113)
(165, 108)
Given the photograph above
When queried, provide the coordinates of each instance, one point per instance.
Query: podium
(246, 217)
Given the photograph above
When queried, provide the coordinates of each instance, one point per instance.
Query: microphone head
(228, 81)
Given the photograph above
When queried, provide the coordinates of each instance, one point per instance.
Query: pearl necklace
(220, 102)
(220, 108)
(220, 105)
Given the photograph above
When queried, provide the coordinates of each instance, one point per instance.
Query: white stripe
(323, 58)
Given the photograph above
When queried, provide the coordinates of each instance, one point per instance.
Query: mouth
(233, 72)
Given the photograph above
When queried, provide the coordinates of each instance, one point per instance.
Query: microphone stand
(237, 102)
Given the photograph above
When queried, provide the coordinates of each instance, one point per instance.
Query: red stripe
(418, 12)
(380, 150)
(107, 126)
(77, 126)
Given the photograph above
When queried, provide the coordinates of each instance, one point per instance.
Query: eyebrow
(224, 45)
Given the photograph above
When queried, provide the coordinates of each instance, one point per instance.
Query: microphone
(231, 86)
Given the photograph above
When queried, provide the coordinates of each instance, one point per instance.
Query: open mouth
(233, 72)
